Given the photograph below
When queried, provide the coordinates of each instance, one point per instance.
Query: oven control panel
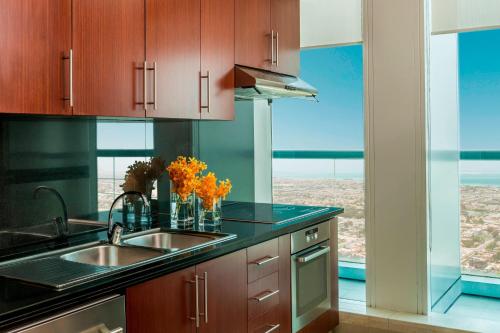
(310, 236)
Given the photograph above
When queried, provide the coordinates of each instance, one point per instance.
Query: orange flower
(183, 173)
(208, 191)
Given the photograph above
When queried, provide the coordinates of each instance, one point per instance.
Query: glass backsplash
(85, 160)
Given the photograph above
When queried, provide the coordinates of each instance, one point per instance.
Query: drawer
(263, 295)
(262, 259)
(266, 323)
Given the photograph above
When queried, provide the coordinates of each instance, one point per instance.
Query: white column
(395, 154)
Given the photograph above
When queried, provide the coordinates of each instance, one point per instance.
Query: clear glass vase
(181, 211)
(210, 214)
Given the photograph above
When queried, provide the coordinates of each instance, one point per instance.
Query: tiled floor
(476, 306)
(353, 290)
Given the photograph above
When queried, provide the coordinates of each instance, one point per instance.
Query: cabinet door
(227, 294)
(108, 45)
(253, 33)
(163, 305)
(217, 59)
(285, 22)
(35, 35)
(173, 42)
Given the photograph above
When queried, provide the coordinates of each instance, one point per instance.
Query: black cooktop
(266, 213)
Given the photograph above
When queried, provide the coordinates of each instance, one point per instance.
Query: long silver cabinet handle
(277, 49)
(155, 83)
(196, 317)
(207, 106)
(205, 278)
(265, 260)
(70, 59)
(272, 47)
(322, 250)
(267, 294)
(205, 311)
(144, 68)
(272, 328)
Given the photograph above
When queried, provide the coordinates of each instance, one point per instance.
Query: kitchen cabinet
(269, 283)
(285, 22)
(35, 42)
(226, 304)
(217, 59)
(173, 43)
(268, 35)
(108, 49)
(253, 33)
(190, 49)
(162, 305)
(168, 304)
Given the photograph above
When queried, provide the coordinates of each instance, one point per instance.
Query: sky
(336, 123)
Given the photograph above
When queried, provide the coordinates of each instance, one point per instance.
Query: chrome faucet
(60, 223)
(115, 229)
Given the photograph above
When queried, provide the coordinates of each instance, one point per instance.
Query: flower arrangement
(142, 175)
(209, 192)
(184, 176)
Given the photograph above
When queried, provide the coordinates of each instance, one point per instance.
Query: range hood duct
(251, 83)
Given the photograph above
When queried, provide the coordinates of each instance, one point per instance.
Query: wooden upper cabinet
(268, 35)
(217, 59)
(108, 46)
(285, 22)
(35, 36)
(173, 43)
(163, 305)
(226, 279)
(253, 33)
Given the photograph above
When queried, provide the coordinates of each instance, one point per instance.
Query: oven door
(311, 295)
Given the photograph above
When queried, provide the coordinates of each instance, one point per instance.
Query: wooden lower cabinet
(227, 291)
(168, 304)
(163, 305)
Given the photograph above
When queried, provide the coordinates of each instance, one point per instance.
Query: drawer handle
(265, 260)
(267, 294)
(272, 328)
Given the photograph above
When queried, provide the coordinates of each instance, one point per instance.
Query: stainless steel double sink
(145, 246)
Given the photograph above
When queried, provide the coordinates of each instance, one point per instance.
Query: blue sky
(336, 123)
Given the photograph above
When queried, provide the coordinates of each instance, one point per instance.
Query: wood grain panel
(163, 305)
(262, 251)
(285, 20)
(108, 44)
(265, 322)
(173, 42)
(217, 57)
(253, 33)
(285, 306)
(35, 34)
(260, 288)
(227, 294)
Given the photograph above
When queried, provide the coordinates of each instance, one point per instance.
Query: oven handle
(321, 251)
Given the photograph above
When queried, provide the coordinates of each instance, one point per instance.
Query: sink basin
(110, 255)
(177, 241)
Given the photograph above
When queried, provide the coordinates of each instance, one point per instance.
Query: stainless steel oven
(311, 283)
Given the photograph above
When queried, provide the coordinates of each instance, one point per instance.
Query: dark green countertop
(21, 303)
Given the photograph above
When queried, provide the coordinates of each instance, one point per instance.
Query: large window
(318, 147)
(479, 88)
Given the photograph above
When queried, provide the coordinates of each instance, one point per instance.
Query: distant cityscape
(480, 218)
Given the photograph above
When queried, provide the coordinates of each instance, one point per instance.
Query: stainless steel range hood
(251, 83)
